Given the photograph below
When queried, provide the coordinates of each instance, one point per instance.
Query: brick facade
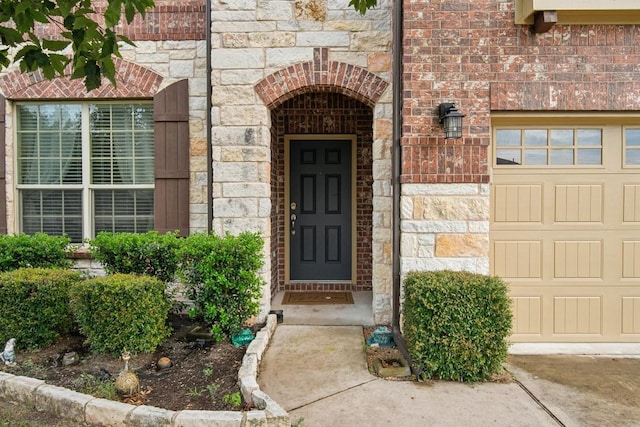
(168, 20)
(472, 53)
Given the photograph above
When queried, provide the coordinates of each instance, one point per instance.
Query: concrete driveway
(583, 390)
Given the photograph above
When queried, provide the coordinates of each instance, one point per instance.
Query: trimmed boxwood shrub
(34, 303)
(121, 312)
(456, 324)
(39, 250)
(221, 276)
(148, 253)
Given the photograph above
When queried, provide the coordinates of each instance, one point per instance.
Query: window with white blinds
(85, 168)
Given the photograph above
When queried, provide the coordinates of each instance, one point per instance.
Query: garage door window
(549, 147)
(632, 147)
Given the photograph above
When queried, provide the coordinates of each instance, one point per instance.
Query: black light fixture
(451, 120)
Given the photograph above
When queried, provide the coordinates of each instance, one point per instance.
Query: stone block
(245, 189)
(285, 56)
(257, 347)
(272, 324)
(277, 39)
(107, 413)
(235, 40)
(235, 172)
(256, 419)
(424, 226)
(452, 208)
(244, 154)
(440, 189)
(233, 95)
(371, 41)
(246, 115)
(238, 225)
(248, 385)
(235, 207)
(149, 416)
(276, 415)
(62, 402)
(237, 58)
(238, 77)
(379, 62)
(21, 389)
(208, 419)
(274, 10)
(245, 27)
(249, 366)
(462, 245)
(323, 39)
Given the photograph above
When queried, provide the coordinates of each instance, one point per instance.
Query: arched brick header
(133, 81)
(321, 75)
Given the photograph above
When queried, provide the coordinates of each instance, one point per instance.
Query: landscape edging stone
(97, 411)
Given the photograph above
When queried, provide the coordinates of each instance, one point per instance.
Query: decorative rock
(394, 367)
(70, 358)
(164, 363)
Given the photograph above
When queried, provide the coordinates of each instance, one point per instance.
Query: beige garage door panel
(578, 314)
(567, 240)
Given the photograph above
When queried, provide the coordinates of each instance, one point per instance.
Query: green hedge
(121, 312)
(39, 250)
(456, 324)
(35, 305)
(222, 277)
(148, 253)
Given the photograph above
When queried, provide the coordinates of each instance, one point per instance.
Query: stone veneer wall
(253, 41)
(170, 46)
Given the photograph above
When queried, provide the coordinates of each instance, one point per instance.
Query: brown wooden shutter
(3, 178)
(171, 134)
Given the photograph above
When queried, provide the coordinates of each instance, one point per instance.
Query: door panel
(320, 210)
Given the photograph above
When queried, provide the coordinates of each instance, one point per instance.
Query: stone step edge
(78, 407)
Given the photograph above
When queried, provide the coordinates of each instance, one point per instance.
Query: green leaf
(125, 39)
(92, 75)
(109, 70)
(10, 36)
(112, 14)
(55, 45)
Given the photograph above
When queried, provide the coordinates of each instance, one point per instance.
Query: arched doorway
(328, 128)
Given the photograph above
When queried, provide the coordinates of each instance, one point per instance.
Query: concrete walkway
(315, 368)
(319, 375)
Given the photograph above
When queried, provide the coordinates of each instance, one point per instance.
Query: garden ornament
(8, 356)
(127, 382)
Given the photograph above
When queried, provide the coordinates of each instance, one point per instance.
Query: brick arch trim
(321, 75)
(133, 81)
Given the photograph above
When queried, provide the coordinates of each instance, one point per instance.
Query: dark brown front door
(320, 210)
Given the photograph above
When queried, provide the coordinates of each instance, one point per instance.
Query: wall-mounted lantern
(451, 120)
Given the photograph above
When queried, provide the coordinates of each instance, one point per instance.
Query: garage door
(565, 230)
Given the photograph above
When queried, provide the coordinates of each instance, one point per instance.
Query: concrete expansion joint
(337, 393)
(535, 399)
(77, 407)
